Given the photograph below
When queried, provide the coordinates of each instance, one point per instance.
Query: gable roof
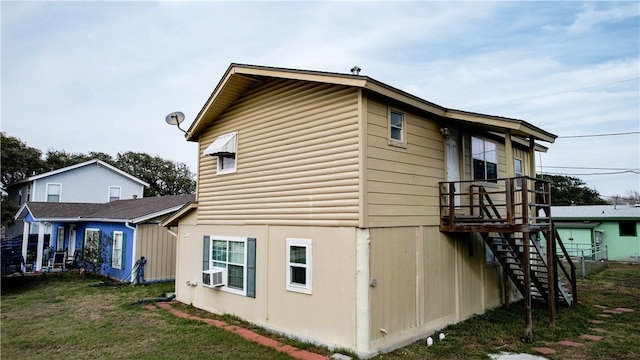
(131, 210)
(83, 164)
(596, 212)
(240, 77)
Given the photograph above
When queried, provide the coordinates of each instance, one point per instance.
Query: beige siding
(402, 182)
(426, 280)
(327, 316)
(159, 248)
(439, 281)
(393, 299)
(297, 159)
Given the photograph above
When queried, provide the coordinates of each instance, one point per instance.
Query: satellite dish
(175, 118)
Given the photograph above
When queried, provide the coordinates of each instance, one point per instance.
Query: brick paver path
(247, 334)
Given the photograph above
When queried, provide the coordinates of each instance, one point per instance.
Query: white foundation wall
(327, 316)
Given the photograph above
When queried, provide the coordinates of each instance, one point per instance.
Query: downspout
(133, 247)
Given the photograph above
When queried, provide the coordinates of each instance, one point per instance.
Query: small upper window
(299, 263)
(53, 192)
(518, 170)
(485, 159)
(224, 148)
(396, 126)
(114, 193)
(628, 228)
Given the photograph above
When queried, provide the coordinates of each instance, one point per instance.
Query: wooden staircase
(508, 214)
(509, 251)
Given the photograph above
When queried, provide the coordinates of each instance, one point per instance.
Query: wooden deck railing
(508, 204)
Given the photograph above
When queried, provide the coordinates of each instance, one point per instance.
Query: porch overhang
(500, 124)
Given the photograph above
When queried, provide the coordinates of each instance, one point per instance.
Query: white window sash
(308, 266)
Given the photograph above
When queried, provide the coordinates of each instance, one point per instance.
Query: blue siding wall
(107, 230)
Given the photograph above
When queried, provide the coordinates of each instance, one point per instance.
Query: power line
(590, 174)
(588, 168)
(596, 135)
(555, 93)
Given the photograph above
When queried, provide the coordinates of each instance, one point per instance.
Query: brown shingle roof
(115, 210)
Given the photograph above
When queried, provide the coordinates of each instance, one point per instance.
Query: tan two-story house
(327, 208)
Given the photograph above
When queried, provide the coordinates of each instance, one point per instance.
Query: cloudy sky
(102, 76)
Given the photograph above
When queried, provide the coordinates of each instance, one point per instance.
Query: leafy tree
(568, 190)
(164, 176)
(19, 161)
(57, 159)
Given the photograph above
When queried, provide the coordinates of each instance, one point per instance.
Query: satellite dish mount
(176, 118)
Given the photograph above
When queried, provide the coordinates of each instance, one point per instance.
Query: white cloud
(101, 76)
(602, 12)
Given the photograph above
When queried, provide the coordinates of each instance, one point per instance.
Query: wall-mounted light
(176, 118)
(445, 131)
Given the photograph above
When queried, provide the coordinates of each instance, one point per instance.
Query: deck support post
(552, 279)
(528, 321)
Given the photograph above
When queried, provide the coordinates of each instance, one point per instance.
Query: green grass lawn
(64, 316)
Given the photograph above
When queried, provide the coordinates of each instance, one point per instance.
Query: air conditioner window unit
(214, 278)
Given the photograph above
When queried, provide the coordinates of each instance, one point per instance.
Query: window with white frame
(54, 192)
(117, 247)
(396, 126)
(485, 159)
(237, 257)
(60, 239)
(517, 164)
(91, 245)
(299, 265)
(224, 148)
(115, 193)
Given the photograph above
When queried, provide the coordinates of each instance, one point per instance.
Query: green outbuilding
(585, 227)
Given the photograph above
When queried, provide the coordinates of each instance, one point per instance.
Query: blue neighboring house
(114, 235)
(92, 181)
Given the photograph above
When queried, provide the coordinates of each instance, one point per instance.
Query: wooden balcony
(519, 204)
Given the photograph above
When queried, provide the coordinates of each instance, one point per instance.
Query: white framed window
(235, 255)
(117, 247)
(54, 192)
(91, 245)
(115, 193)
(224, 148)
(485, 159)
(60, 239)
(396, 126)
(299, 265)
(517, 165)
